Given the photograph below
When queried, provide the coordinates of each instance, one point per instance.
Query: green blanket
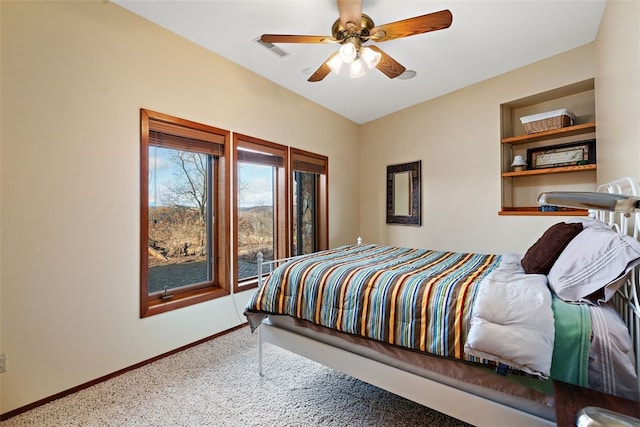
(570, 361)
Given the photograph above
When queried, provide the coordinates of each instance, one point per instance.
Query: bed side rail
(266, 267)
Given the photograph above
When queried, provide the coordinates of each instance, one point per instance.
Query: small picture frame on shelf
(570, 154)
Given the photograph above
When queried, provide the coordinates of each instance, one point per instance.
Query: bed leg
(260, 352)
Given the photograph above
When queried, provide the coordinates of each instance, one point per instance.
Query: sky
(256, 183)
(255, 180)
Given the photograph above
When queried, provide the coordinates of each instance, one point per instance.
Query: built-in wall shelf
(520, 188)
(548, 171)
(534, 211)
(554, 133)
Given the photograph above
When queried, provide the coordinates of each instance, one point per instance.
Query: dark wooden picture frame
(411, 198)
(588, 148)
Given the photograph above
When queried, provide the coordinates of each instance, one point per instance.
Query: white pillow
(590, 223)
(593, 265)
(611, 357)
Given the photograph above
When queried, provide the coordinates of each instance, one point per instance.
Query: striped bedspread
(415, 298)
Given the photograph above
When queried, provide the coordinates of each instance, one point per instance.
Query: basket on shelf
(547, 121)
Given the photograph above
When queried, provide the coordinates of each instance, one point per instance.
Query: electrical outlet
(3, 363)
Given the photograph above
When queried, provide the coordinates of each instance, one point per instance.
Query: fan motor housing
(342, 33)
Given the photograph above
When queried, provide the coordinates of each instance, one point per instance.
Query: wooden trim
(251, 143)
(144, 211)
(569, 399)
(557, 133)
(117, 373)
(307, 161)
(323, 211)
(533, 211)
(318, 164)
(185, 299)
(247, 156)
(164, 140)
(549, 171)
(188, 124)
(208, 140)
(185, 131)
(281, 201)
(224, 225)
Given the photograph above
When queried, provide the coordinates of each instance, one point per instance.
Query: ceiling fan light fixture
(353, 29)
(370, 57)
(335, 63)
(348, 52)
(356, 69)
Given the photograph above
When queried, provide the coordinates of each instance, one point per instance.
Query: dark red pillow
(540, 257)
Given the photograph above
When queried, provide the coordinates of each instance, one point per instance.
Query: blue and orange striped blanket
(415, 298)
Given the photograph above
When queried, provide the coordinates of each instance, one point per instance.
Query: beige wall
(618, 91)
(74, 76)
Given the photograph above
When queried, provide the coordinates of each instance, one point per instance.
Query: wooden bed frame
(449, 400)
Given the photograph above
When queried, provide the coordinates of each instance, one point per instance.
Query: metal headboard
(626, 299)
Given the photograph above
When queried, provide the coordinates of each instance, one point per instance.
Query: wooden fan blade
(323, 71)
(350, 11)
(285, 38)
(412, 26)
(389, 66)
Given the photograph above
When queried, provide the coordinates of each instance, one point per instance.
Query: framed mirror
(403, 193)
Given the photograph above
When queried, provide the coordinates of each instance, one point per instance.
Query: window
(309, 201)
(183, 226)
(260, 224)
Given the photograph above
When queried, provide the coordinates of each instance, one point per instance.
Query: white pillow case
(596, 259)
(611, 357)
(590, 223)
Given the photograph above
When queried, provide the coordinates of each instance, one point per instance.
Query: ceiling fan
(353, 29)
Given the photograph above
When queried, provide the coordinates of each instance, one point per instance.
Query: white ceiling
(486, 38)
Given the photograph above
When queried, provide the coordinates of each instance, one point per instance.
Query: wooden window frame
(281, 202)
(186, 135)
(305, 161)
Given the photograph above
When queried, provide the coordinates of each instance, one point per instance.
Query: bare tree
(189, 186)
(188, 189)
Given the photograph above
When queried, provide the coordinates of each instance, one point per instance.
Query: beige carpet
(216, 384)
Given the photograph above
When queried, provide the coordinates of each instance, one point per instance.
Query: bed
(479, 337)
